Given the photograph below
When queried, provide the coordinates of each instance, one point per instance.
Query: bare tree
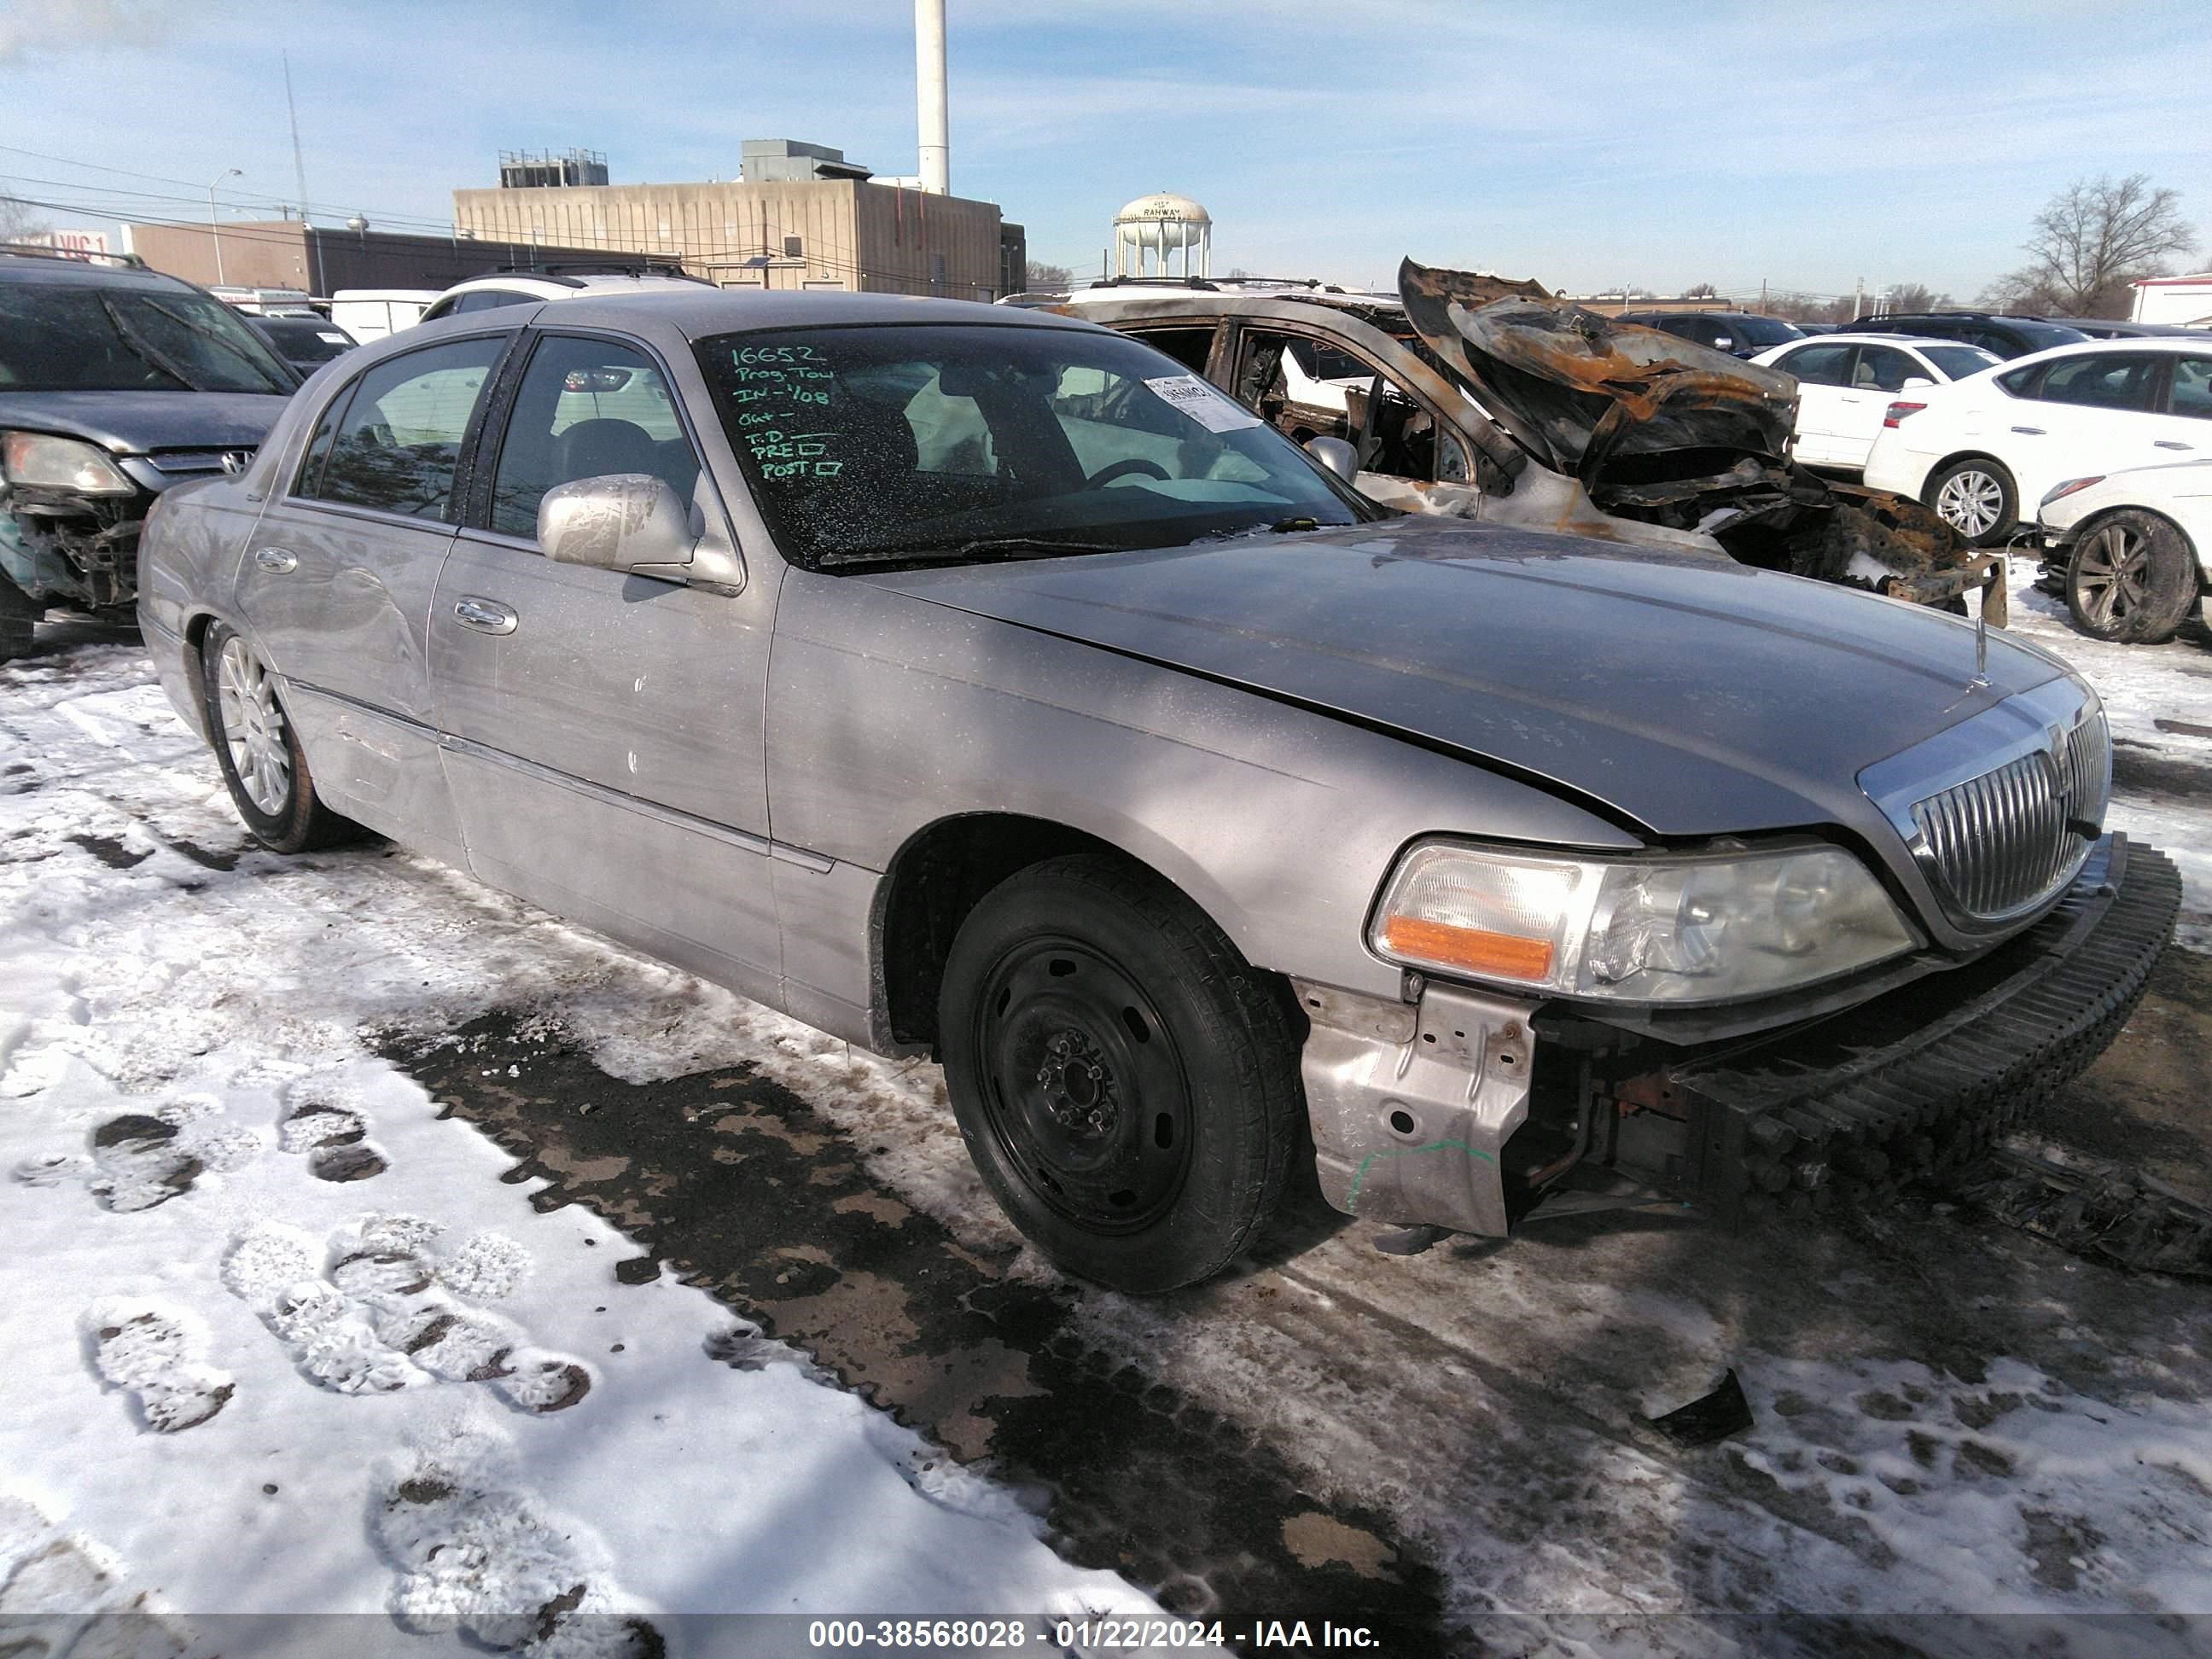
(1917, 296)
(1702, 291)
(2093, 241)
(18, 219)
(1044, 276)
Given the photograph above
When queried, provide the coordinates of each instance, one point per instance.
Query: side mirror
(1338, 456)
(1914, 382)
(623, 521)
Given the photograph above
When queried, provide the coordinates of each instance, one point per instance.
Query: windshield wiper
(977, 550)
(145, 348)
(206, 333)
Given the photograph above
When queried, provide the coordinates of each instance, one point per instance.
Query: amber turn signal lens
(1500, 956)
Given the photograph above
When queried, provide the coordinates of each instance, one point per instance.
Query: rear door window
(2192, 388)
(1884, 369)
(2119, 379)
(397, 446)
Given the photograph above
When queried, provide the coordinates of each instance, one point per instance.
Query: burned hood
(1690, 697)
(1586, 394)
(141, 422)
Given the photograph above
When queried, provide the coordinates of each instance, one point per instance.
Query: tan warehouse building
(802, 217)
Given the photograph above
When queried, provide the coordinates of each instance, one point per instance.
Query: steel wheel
(2111, 574)
(254, 726)
(1083, 1087)
(1971, 502)
(1127, 1083)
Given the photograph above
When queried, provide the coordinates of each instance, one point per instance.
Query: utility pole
(299, 167)
(1858, 300)
(215, 229)
(1762, 296)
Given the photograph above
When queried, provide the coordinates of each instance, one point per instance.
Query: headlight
(2072, 486)
(1680, 929)
(32, 459)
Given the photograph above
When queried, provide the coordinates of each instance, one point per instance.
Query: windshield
(922, 443)
(80, 337)
(1958, 361)
(1764, 332)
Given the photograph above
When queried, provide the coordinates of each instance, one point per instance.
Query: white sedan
(1976, 450)
(2130, 551)
(1845, 382)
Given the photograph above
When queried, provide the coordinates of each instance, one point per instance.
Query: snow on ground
(217, 1012)
(279, 1339)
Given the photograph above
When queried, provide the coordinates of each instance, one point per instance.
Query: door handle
(2030, 431)
(278, 560)
(2168, 443)
(485, 616)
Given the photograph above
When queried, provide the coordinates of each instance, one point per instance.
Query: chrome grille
(2003, 842)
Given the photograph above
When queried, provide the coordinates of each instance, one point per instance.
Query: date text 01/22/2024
(1090, 1635)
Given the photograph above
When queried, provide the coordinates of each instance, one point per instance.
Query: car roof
(697, 310)
(64, 270)
(563, 285)
(1874, 337)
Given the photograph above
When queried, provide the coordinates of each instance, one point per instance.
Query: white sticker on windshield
(334, 339)
(1203, 404)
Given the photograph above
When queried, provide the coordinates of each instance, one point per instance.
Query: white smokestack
(929, 96)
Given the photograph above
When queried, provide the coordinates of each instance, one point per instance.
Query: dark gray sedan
(979, 682)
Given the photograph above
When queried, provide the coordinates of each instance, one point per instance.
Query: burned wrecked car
(116, 382)
(977, 682)
(1480, 398)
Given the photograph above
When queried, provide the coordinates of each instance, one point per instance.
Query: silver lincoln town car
(982, 683)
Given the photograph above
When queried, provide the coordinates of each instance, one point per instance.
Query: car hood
(1584, 392)
(1687, 696)
(140, 422)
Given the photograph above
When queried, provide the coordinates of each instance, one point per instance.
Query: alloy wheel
(253, 728)
(1969, 503)
(2111, 574)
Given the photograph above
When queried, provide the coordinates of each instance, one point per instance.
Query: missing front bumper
(1416, 1108)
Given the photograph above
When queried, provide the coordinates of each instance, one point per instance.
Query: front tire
(260, 752)
(19, 621)
(1126, 1082)
(1975, 497)
(2132, 579)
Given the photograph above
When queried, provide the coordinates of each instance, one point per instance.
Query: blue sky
(1808, 145)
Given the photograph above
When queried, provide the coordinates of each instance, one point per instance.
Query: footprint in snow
(157, 1353)
(323, 1120)
(477, 1556)
(378, 1307)
(140, 1159)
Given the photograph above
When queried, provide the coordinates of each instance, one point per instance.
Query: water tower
(1162, 223)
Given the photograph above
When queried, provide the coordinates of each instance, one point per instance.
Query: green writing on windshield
(779, 394)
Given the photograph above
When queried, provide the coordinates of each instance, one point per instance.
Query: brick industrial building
(321, 259)
(800, 217)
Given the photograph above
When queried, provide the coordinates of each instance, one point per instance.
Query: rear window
(83, 338)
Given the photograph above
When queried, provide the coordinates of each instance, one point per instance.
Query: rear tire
(1127, 1084)
(260, 752)
(1975, 497)
(2132, 579)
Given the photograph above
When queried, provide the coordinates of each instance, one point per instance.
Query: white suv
(1983, 450)
(529, 288)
